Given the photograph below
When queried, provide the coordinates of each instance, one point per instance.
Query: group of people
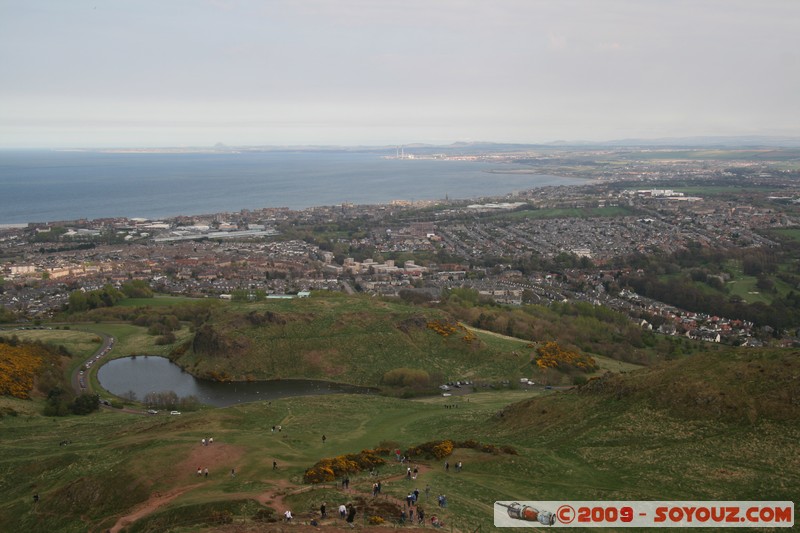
(207, 442)
(410, 516)
(202, 472)
(447, 466)
(411, 499)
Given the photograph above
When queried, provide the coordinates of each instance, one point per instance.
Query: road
(81, 382)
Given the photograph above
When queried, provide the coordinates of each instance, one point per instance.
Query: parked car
(174, 412)
(152, 412)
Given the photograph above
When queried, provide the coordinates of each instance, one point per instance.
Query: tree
(85, 404)
(137, 288)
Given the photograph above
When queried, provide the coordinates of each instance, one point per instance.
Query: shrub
(406, 377)
(264, 515)
(329, 468)
(551, 355)
(221, 517)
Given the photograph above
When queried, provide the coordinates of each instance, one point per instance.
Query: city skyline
(149, 74)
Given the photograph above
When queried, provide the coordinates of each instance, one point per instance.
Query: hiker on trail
(203, 442)
(351, 515)
(287, 515)
(403, 516)
(374, 489)
(210, 440)
(415, 472)
(416, 495)
(274, 465)
(410, 500)
(36, 498)
(233, 472)
(420, 515)
(199, 471)
(379, 487)
(411, 515)
(447, 466)
(458, 466)
(427, 490)
(205, 472)
(342, 511)
(323, 439)
(322, 511)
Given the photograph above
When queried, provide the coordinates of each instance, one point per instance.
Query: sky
(152, 73)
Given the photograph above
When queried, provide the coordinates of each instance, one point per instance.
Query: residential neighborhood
(489, 244)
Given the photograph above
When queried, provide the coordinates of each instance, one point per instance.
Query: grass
(644, 435)
(354, 340)
(789, 233)
(156, 301)
(80, 344)
(590, 212)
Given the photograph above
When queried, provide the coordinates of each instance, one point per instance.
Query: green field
(588, 212)
(718, 425)
(791, 233)
(641, 436)
(156, 301)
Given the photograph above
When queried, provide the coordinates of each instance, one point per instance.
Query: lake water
(44, 186)
(145, 374)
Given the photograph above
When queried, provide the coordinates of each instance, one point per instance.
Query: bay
(44, 186)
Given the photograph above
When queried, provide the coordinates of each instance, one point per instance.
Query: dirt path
(275, 498)
(218, 458)
(155, 501)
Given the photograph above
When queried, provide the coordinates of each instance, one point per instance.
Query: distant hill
(352, 340)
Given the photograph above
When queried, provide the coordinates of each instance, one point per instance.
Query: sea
(48, 186)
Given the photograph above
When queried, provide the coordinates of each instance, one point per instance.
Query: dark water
(43, 186)
(145, 374)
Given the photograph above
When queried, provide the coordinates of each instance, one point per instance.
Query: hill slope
(713, 426)
(347, 339)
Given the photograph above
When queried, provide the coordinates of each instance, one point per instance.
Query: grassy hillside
(713, 426)
(348, 339)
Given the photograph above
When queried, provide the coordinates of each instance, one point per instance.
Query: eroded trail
(217, 457)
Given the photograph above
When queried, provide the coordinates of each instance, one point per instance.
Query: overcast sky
(198, 72)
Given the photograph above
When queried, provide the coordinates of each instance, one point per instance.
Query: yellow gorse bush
(551, 355)
(18, 368)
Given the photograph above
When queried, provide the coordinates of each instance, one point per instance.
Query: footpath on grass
(359, 493)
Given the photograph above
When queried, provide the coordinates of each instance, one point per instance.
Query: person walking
(351, 515)
(323, 513)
